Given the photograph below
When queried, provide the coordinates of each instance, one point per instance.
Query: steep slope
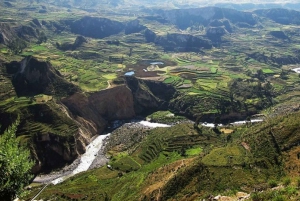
(150, 96)
(32, 77)
(184, 18)
(57, 120)
(105, 27)
(281, 16)
(6, 33)
(168, 164)
(101, 107)
(45, 126)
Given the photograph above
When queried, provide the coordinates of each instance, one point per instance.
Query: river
(95, 156)
(211, 125)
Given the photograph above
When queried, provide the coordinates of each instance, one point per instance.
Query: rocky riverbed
(122, 138)
(94, 156)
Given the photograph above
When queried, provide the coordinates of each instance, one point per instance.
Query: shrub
(279, 198)
(15, 165)
(272, 183)
(298, 182)
(290, 191)
(286, 181)
(256, 197)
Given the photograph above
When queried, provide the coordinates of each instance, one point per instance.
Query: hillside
(73, 70)
(179, 163)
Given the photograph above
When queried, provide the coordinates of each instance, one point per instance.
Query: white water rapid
(86, 159)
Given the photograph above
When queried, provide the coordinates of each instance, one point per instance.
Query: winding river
(211, 125)
(86, 160)
(95, 157)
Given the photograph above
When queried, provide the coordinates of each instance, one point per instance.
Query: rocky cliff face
(9, 33)
(279, 35)
(96, 27)
(150, 96)
(206, 15)
(149, 35)
(183, 42)
(26, 32)
(100, 107)
(215, 33)
(48, 130)
(6, 33)
(134, 26)
(32, 77)
(281, 16)
(54, 139)
(121, 102)
(57, 131)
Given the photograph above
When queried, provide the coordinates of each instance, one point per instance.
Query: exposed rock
(36, 22)
(78, 104)
(100, 107)
(150, 36)
(6, 33)
(56, 26)
(205, 15)
(215, 33)
(279, 34)
(113, 104)
(183, 42)
(134, 26)
(79, 41)
(96, 27)
(52, 152)
(25, 32)
(280, 15)
(150, 96)
(53, 137)
(69, 46)
(32, 77)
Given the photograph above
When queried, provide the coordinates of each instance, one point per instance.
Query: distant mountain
(281, 16)
(255, 6)
(94, 5)
(184, 18)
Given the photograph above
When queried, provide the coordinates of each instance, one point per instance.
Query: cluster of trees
(15, 165)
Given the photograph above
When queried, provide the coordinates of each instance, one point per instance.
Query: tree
(15, 165)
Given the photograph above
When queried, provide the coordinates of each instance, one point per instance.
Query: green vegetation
(230, 155)
(289, 193)
(241, 73)
(164, 117)
(15, 165)
(189, 162)
(193, 151)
